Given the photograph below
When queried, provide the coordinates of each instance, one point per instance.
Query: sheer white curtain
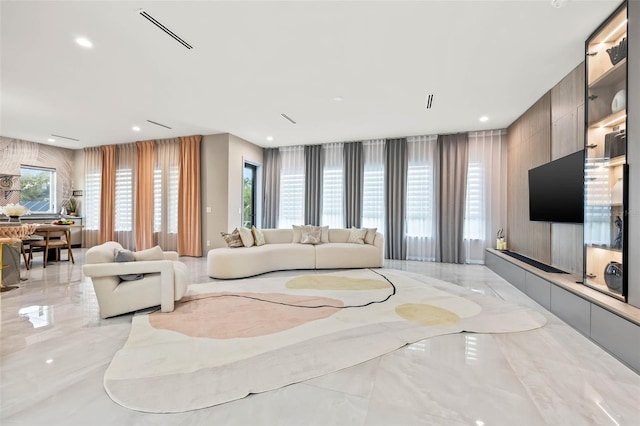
(332, 185)
(373, 196)
(291, 207)
(126, 177)
(91, 196)
(486, 199)
(166, 182)
(420, 221)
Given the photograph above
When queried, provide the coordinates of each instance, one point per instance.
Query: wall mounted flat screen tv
(556, 190)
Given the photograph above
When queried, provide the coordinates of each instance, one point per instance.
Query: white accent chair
(164, 281)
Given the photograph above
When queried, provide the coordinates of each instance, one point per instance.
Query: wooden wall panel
(552, 128)
(528, 146)
(567, 137)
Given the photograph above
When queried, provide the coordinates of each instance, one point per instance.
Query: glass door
(605, 157)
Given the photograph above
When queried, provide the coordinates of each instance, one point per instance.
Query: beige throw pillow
(311, 234)
(154, 253)
(233, 239)
(324, 237)
(356, 236)
(246, 236)
(258, 236)
(297, 233)
(371, 235)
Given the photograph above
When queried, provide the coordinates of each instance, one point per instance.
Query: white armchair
(164, 281)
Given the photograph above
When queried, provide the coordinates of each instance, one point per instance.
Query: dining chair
(55, 237)
(26, 243)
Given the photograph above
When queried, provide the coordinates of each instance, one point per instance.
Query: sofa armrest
(164, 267)
(122, 268)
(170, 255)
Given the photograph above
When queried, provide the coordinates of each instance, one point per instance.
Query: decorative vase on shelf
(613, 276)
(14, 219)
(616, 193)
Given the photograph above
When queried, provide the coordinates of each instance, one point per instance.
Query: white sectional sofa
(280, 253)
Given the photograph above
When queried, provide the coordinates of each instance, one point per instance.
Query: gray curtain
(353, 177)
(271, 186)
(395, 187)
(313, 184)
(453, 154)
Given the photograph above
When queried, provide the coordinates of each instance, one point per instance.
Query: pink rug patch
(236, 317)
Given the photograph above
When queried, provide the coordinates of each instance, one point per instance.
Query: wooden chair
(26, 244)
(55, 237)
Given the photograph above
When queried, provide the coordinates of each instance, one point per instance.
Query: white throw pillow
(258, 236)
(371, 235)
(311, 235)
(324, 236)
(297, 233)
(246, 236)
(154, 253)
(356, 236)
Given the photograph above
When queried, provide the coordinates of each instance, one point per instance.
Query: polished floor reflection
(55, 350)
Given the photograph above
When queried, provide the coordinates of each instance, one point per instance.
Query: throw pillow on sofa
(154, 253)
(246, 236)
(233, 239)
(297, 233)
(371, 235)
(356, 236)
(127, 256)
(258, 236)
(311, 235)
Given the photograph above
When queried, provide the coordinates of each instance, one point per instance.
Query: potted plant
(72, 206)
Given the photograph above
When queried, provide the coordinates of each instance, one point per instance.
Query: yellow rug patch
(323, 282)
(427, 314)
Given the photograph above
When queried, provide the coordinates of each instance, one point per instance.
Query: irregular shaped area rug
(229, 339)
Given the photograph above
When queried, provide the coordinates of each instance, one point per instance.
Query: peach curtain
(108, 193)
(144, 195)
(189, 210)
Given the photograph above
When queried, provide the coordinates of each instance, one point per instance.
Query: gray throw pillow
(127, 256)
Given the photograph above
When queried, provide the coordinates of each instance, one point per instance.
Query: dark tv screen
(556, 190)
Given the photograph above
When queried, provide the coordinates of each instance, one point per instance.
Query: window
(165, 201)
(474, 218)
(420, 186)
(421, 192)
(91, 206)
(38, 189)
(249, 188)
(485, 209)
(373, 185)
(292, 191)
(124, 200)
(332, 185)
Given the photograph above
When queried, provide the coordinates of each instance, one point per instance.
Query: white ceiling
(252, 61)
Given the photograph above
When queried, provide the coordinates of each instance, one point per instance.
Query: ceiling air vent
(159, 124)
(429, 101)
(286, 117)
(158, 24)
(65, 137)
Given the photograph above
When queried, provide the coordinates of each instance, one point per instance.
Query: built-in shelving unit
(606, 169)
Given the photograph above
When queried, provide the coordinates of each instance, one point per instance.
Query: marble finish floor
(55, 349)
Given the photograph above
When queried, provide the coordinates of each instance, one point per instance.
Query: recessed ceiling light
(84, 42)
(51, 140)
(135, 128)
(269, 138)
(338, 99)
(484, 118)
